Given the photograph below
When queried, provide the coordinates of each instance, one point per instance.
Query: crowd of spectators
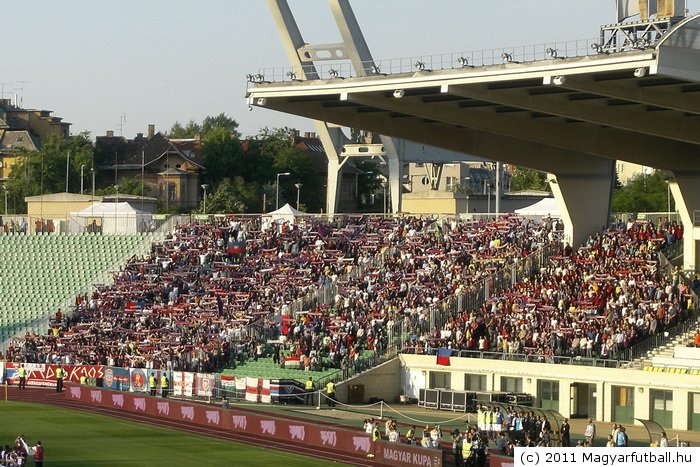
(212, 293)
(191, 303)
(595, 301)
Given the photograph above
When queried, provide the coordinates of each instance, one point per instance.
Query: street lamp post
(4, 188)
(92, 172)
(384, 184)
(277, 191)
(82, 168)
(67, 169)
(298, 185)
(116, 205)
(204, 187)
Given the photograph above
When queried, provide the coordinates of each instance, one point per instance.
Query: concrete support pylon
(685, 188)
(395, 166)
(354, 48)
(584, 200)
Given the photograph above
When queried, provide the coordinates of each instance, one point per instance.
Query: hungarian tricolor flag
(443, 356)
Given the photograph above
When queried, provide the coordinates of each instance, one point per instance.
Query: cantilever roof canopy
(639, 105)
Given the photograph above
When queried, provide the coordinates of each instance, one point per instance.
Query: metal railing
(524, 357)
(463, 59)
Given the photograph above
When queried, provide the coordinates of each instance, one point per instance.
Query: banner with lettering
(41, 374)
(205, 384)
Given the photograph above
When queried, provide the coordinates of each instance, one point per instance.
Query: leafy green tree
(190, 130)
(220, 121)
(528, 179)
(127, 186)
(222, 155)
(44, 171)
(278, 145)
(368, 181)
(643, 193)
(210, 123)
(233, 195)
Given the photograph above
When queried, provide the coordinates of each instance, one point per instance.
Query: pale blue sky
(158, 61)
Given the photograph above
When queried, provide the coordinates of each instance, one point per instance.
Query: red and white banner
(265, 393)
(40, 374)
(205, 384)
(228, 383)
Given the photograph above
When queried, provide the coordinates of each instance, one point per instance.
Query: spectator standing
(38, 454)
(663, 441)
(330, 392)
(589, 434)
(622, 438)
(152, 383)
(60, 373)
(309, 387)
(22, 373)
(164, 386)
(565, 433)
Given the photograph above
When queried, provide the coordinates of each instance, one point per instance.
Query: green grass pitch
(80, 439)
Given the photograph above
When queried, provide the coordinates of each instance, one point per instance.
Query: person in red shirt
(38, 454)
(696, 341)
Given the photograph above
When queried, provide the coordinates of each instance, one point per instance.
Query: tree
(44, 171)
(220, 121)
(368, 181)
(643, 193)
(233, 195)
(188, 131)
(222, 155)
(528, 179)
(209, 124)
(278, 145)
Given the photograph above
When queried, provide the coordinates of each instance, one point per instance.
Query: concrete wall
(602, 379)
(382, 382)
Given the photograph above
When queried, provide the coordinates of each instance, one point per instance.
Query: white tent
(284, 214)
(544, 207)
(109, 218)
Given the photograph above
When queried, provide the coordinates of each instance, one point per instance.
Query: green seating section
(266, 368)
(40, 273)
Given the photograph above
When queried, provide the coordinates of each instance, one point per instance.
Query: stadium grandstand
(519, 320)
(338, 300)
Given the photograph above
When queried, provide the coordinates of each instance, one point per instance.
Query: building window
(694, 411)
(511, 384)
(473, 382)
(623, 404)
(662, 407)
(451, 184)
(440, 379)
(172, 192)
(548, 393)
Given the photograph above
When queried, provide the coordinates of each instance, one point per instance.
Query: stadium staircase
(41, 273)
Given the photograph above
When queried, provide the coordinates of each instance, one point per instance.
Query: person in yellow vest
(22, 373)
(309, 388)
(60, 373)
(83, 379)
(376, 436)
(164, 385)
(152, 383)
(330, 392)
